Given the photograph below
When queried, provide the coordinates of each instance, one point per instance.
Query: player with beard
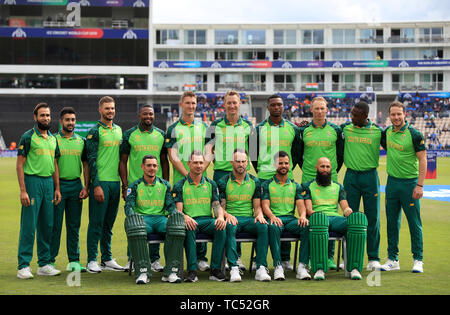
(38, 176)
(137, 142)
(322, 197)
(71, 163)
(102, 145)
(280, 197)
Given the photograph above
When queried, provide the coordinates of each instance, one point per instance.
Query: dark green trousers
(71, 205)
(37, 217)
(366, 185)
(102, 216)
(399, 195)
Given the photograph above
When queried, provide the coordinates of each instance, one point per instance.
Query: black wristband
(419, 185)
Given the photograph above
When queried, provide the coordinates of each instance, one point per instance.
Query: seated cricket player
(194, 196)
(322, 199)
(240, 195)
(148, 201)
(280, 196)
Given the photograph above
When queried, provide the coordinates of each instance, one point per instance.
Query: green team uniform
(403, 172)
(102, 145)
(273, 138)
(325, 204)
(361, 156)
(185, 138)
(73, 153)
(40, 152)
(317, 142)
(283, 199)
(239, 203)
(197, 201)
(226, 137)
(137, 143)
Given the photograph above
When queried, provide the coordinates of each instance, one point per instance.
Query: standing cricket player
(71, 163)
(361, 154)
(406, 168)
(102, 144)
(38, 176)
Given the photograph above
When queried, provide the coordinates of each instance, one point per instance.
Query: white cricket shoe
(262, 274)
(390, 265)
(235, 274)
(111, 265)
(172, 278)
(278, 273)
(143, 279)
(126, 268)
(373, 265)
(156, 266)
(302, 272)
(25, 273)
(355, 275)
(319, 275)
(93, 267)
(48, 270)
(287, 265)
(202, 265)
(418, 266)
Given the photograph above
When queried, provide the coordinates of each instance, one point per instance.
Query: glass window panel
(338, 37)
(307, 36)
(201, 37)
(350, 36)
(226, 37)
(253, 37)
(291, 37)
(278, 37)
(318, 37)
(189, 37)
(306, 55)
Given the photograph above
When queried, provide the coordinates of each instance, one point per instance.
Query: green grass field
(435, 279)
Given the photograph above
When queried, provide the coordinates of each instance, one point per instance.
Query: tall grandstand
(48, 54)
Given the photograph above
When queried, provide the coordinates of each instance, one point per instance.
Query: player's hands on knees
(260, 218)
(24, 199)
(231, 219)
(220, 224)
(303, 222)
(190, 223)
(417, 193)
(98, 194)
(276, 221)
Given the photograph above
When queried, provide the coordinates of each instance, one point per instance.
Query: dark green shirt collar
(36, 130)
(64, 136)
(157, 179)
(181, 121)
(239, 122)
(278, 182)
(106, 126)
(401, 129)
(191, 181)
(323, 126)
(143, 130)
(246, 178)
(271, 123)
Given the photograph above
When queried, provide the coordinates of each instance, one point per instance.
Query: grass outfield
(435, 279)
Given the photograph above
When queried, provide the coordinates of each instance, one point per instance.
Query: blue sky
(276, 11)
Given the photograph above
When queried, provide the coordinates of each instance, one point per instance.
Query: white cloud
(270, 11)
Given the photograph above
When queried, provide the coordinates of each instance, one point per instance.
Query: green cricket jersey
(102, 145)
(317, 142)
(325, 199)
(272, 139)
(401, 147)
(137, 143)
(227, 137)
(196, 199)
(40, 152)
(361, 146)
(150, 199)
(282, 196)
(185, 138)
(239, 197)
(73, 153)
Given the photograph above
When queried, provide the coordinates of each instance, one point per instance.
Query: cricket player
(148, 200)
(72, 161)
(138, 142)
(102, 145)
(194, 196)
(276, 134)
(320, 138)
(240, 195)
(38, 176)
(280, 197)
(322, 197)
(406, 168)
(361, 154)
